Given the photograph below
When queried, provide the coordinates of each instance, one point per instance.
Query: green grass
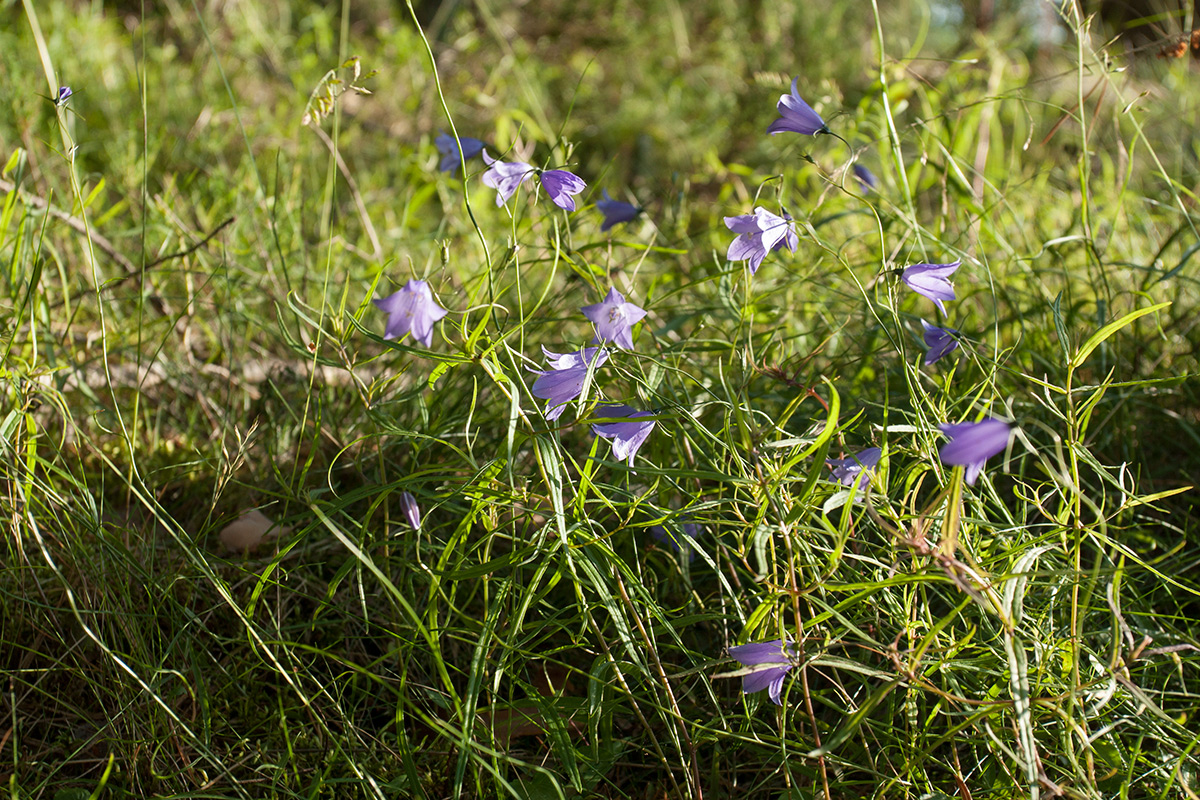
(188, 334)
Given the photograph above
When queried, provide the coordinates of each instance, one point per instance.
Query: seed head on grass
(774, 660)
(411, 310)
(973, 443)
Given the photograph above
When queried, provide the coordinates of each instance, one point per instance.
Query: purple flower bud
(932, 281)
(408, 504)
(867, 178)
(64, 94)
(972, 443)
(411, 310)
(449, 150)
(940, 341)
(627, 434)
(560, 185)
(773, 659)
(615, 211)
(614, 319)
(796, 116)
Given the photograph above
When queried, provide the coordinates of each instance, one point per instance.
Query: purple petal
(627, 435)
(614, 319)
(796, 116)
(411, 310)
(973, 443)
(412, 512)
(560, 185)
(505, 176)
(858, 466)
(449, 150)
(756, 653)
(743, 223)
(940, 342)
(615, 211)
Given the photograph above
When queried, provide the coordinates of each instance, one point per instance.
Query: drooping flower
(505, 176)
(940, 342)
(449, 150)
(563, 382)
(560, 185)
(972, 443)
(628, 433)
(614, 319)
(64, 94)
(867, 178)
(796, 116)
(932, 281)
(678, 543)
(411, 310)
(412, 512)
(773, 658)
(615, 211)
(855, 469)
(758, 234)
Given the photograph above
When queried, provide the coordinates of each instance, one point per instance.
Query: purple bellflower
(855, 470)
(758, 234)
(628, 433)
(940, 341)
(449, 150)
(412, 512)
(796, 116)
(972, 443)
(411, 310)
(560, 185)
(563, 382)
(64, 94)
(678, 543)
(614, 319)
(865, 177)
(773, 659)
(615, 211)
(505, 176)
(932, 281)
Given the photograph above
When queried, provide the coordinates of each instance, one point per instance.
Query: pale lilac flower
(614, 319)
(615, 211)
(564, 381)
(758, 234)
(412, 512)
(773, 658)
(932, 281)
(449, 150)
(411, 310)
(940, 342)
(867, 178)
(628, 433)
(855, 469)
(505, 176)
(796, 116)
(560, 185)
(972, 443)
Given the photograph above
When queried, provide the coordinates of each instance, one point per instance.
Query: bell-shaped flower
(796, 116)
(856, 468)
(972, 443)
(615, 211)
(627, 432)
(411, 310)
(505, 176)
(563, 382)
(771, 661)
(560, 185)
(865, 177)
(940, 342)
(758, 234)
(932, 281)
(614, 319)
(412, 512)
(449, 150)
